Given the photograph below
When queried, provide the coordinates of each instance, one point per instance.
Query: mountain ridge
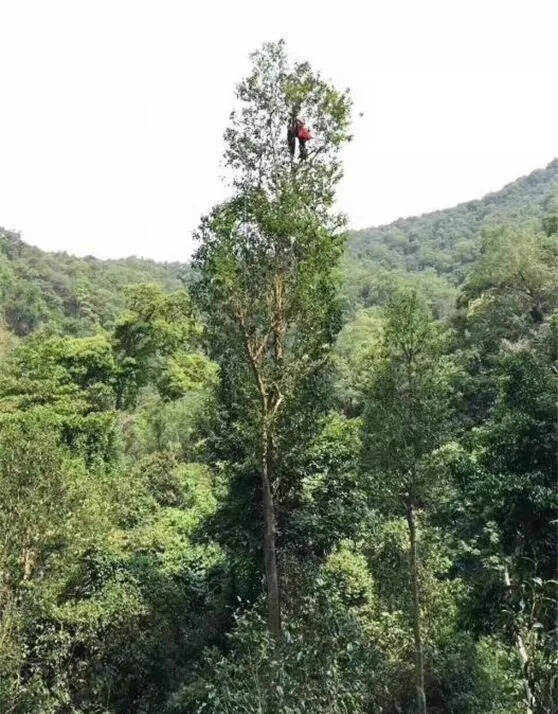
(79, 294)
(552, 165)
(446, 241)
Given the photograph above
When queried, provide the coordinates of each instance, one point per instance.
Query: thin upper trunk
(419, 654)
(279, 323)
(270, 549)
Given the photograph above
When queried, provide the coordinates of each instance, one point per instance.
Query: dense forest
(312, 471)
(71, 295)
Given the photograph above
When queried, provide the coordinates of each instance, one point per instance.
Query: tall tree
(406, 417)
(267, 264)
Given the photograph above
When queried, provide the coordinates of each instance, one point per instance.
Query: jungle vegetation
(312, 471)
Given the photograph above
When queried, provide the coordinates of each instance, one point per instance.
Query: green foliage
(325, 664)
(550, 219)
(104, 590)
(70, 381)
(348, 572)
(512, 289)
(151, 340)
(408, 403)
(171, 426)
(100, 561)
(406, 424)
(332, 503)
(44, 522)
(72, 295)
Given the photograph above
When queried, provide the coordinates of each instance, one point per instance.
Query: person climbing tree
(303, 135)
(297, 130)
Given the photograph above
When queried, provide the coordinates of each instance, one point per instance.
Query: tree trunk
(254, 353)
(419, 656)
(521, 651)
(270, 551)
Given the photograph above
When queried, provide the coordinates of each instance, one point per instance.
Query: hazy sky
(112, 112)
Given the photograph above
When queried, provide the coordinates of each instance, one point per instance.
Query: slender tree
(266, 266)
(406, 417)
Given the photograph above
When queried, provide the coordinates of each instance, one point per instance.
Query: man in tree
(303, 135)
(298, 130)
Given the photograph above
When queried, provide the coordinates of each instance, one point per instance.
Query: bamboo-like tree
(266, 265)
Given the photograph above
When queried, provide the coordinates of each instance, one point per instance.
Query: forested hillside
(440, 248)
(447, 242)
(433, 252)
(74, 295)
(299, 476)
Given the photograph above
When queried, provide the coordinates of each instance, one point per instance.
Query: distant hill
(436, 250)
(447, 241)
(433, 251)
(73, 295)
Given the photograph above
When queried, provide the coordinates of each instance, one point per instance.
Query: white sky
(112, 112)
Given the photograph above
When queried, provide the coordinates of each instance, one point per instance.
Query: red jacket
(303, 134)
